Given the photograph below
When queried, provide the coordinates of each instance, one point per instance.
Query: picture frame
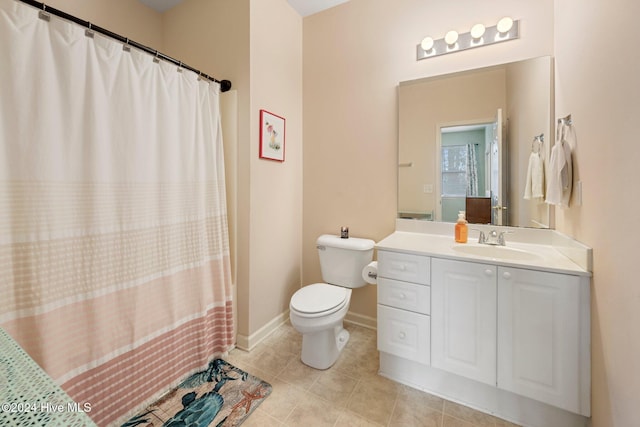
(272, 136)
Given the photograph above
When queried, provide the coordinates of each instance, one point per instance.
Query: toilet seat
(319, 299)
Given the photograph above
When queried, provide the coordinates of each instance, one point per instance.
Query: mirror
(465, 139)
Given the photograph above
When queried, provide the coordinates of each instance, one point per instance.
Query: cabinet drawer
(405, 267)
(408, 296)
(405, 334)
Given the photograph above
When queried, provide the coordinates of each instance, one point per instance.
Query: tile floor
(348, 394)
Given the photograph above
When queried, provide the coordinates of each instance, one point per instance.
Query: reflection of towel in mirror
(560, 174)
(535, 178)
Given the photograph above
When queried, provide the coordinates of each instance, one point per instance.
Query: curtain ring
(89, 32)
(43, 13)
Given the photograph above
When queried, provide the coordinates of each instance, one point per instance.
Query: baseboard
(361, 320)
(248, 343)
(483, 397)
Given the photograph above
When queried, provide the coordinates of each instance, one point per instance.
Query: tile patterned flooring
(349, 394)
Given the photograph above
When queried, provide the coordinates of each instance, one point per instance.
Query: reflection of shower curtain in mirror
(114, 256)
(472, 171)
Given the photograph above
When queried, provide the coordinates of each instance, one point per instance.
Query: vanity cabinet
(463, 323)
(510, 333)
(503, 330)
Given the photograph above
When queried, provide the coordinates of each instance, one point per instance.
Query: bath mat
(220, 396)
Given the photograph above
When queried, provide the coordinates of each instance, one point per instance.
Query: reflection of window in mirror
(464, 157)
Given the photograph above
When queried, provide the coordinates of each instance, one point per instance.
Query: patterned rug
(220, 396)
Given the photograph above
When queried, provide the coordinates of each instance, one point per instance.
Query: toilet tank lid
(352, 243)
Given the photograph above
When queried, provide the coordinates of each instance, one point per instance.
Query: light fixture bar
(466, 41)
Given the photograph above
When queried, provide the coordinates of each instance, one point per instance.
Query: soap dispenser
(462, 231)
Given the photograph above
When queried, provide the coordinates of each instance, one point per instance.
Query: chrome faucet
(494, 238)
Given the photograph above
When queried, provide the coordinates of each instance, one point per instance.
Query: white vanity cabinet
(463, 323)
(505, 330)
(404, 304)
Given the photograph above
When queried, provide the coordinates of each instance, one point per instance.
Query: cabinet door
(463, 319)
(539, 336)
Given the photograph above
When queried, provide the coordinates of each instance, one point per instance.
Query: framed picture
(272, 132)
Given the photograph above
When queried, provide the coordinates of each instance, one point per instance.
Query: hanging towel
(566, 174)
(535, 178)
(560, 172)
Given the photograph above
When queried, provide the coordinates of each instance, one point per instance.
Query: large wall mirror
(465, 141)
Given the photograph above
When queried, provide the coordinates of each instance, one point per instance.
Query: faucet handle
(482, 238)
(501, 240)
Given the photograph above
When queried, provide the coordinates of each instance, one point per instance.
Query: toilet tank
(342, 260)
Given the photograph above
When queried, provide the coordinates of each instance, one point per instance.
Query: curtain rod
(225, 85)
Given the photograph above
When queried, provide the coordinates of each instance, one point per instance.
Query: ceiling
(303, 7)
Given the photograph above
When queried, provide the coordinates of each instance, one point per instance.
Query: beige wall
(597, 82)
(276, 188)
(354, 57)
(530, 112)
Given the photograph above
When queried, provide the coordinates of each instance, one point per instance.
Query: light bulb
(451, 38)
(477, 31)
(504, 25)
(427, 44)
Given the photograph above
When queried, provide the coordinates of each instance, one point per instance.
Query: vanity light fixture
(506, 29)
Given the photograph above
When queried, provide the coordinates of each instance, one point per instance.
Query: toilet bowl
(317, 311)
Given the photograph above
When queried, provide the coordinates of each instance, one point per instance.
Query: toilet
(317, 310)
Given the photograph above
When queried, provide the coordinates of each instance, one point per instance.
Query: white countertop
(546, 257)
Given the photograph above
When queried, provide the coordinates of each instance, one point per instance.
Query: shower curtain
(472, 171)
(114, 256)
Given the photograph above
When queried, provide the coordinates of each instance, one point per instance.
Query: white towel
(560, 172)
(535, 178)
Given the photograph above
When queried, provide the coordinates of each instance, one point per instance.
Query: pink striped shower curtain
(114, 255)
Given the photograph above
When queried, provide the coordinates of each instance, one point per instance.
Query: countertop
(545, 257)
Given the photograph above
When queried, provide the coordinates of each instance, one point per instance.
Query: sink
(497, 252)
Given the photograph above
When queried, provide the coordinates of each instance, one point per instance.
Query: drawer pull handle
(488, 272)
(506, 275)
(402, 295)
(402, 335)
